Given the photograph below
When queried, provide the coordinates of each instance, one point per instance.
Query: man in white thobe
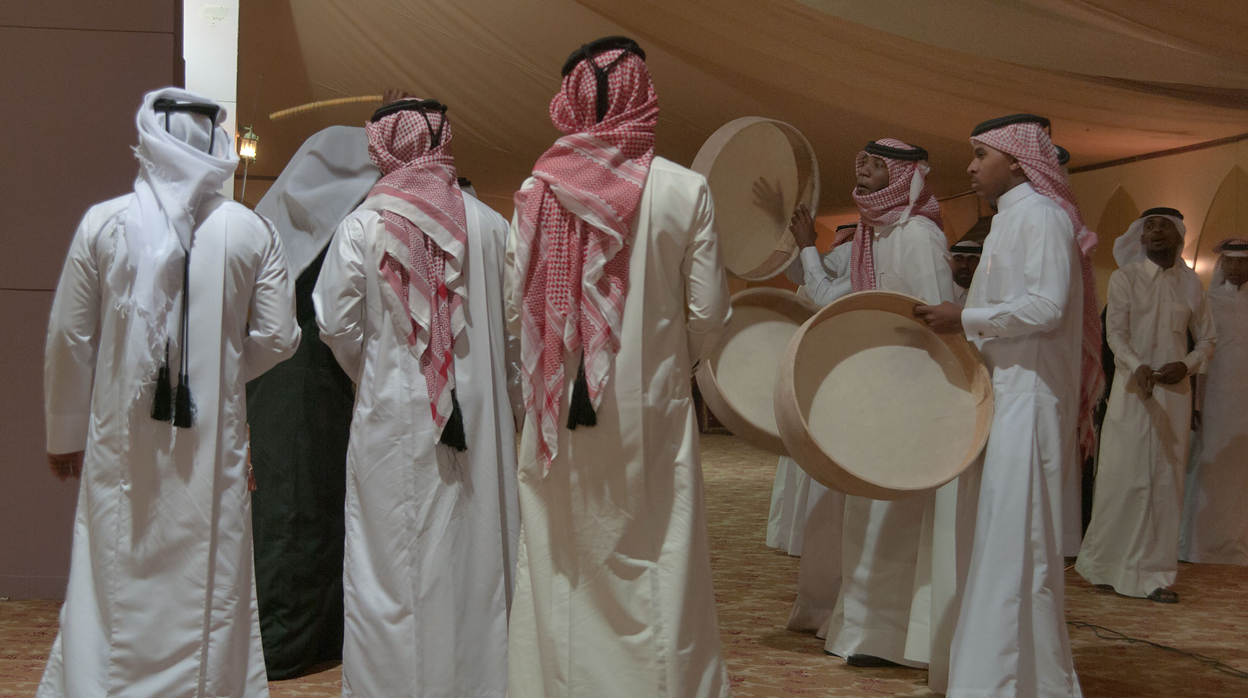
(613, 590)
(161, 598)
(410, 301)
(963, 259)
(1155, 299)
(790, 494)
(881, 614)
(1215, 519)
(1026, 313)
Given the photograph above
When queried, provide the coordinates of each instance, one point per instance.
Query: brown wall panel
(36, 509)
(113, 15)
(69, 125)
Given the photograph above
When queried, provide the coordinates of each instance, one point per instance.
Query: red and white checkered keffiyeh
(419, 199)
(907, 194)
(1029, 143)
(574, 226)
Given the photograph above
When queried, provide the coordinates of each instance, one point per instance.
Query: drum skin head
(738, 378)
(872, 403)
(758, 170)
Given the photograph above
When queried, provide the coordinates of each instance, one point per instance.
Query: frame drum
(872, 403)
(738, 378)
(758, 170)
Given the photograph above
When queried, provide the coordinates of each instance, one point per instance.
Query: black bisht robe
(300, 416)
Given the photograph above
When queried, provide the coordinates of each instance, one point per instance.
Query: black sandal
(1160, 595)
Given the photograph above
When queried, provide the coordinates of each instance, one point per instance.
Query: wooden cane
(324, 103)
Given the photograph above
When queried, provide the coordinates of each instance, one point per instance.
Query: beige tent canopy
(1118, 77)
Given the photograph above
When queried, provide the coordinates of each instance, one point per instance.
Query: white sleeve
(73, 341)
(1043, 279)
(272, 332)
(822, 289)
(1203, 331)
(707, 299)
(340, 296)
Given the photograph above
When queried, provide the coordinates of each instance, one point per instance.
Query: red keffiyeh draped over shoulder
(907, 194)
(574, 225)
(1031, 146)
(419, 199)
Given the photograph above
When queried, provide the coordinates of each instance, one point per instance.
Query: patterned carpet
(755, 588)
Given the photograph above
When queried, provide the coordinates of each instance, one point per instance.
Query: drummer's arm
(1040, 283)
(706, 286)
(819, 287)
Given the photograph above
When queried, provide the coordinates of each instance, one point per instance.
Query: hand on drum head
(803, 227)
(945, 318)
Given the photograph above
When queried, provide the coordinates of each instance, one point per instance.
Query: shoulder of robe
(1047, 217)
(683, 192)
(922, 226)
(489, 217)
(99, 215)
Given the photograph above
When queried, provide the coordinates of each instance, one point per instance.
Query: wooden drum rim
(795, 430)
(808, 184)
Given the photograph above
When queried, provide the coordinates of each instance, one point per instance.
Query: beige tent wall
(1209, 186)
(73, 74)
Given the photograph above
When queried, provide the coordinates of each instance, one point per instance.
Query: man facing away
(161, 599)
(616, 288)
(1030, 309)
(1215, 520)
(885, 547)
(409, 300)
(1155, 299)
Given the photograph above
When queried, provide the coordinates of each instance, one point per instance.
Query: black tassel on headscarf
(580, 408)
(453, 433)
(183, 403)
(162, 402)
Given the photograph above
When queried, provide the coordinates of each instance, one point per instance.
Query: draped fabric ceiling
(1118, 77)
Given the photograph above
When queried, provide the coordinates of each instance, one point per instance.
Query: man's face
(872, 175)
(1235, 269)
(1161, 236)
(963, 266)
(992, 171)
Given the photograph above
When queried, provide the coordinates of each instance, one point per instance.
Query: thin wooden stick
(313, 106)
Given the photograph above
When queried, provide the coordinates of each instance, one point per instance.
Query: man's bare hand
(66, 465)
(803, 226)
(945, 318)
(1171, 373)
(1144, 380)
(393, 95)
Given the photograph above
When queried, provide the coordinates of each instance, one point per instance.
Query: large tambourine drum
(738, 378)
(872, 403)
(758, 170)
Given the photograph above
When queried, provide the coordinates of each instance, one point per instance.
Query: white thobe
(161, 598)
(791, 491)
(1215, 518)
(884, 606)
(613, 590)
(1024, 313)
(1137, 507)
(431, 533)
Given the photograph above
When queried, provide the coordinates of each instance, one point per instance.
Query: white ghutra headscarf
(177, 173)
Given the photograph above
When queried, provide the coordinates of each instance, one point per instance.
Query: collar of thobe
(1153, 269)
(1015, 195)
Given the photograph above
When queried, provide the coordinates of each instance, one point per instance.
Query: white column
(210, 48)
